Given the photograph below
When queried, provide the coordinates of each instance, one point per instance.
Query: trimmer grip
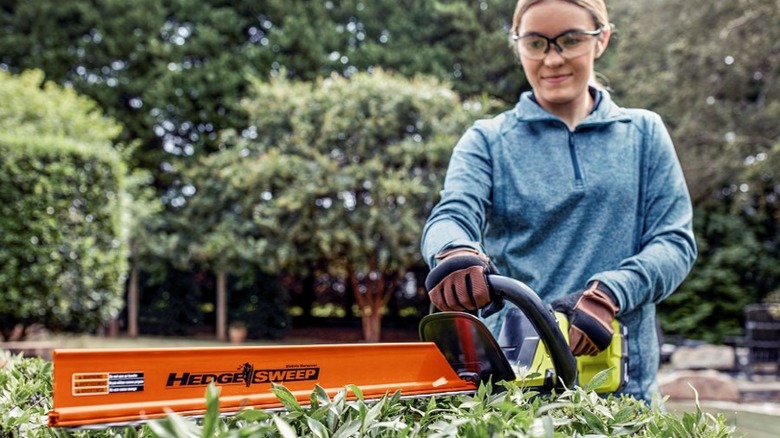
(543, 320)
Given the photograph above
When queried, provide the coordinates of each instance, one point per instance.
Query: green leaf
(372, 414)
(320, 396)
(348, 429)
(212, 410)
(594, 423)
(317, 429)
(253, 415)
(599, 379)
(357, 391)
(284, 428)
(174, 426)
(624, 414)
(286, 397)
(557, 405)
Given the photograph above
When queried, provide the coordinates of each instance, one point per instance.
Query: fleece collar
(604, 111)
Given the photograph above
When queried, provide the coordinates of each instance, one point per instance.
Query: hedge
(63, 256)
(25, 399)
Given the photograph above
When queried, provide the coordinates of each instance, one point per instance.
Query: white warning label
(107, 383)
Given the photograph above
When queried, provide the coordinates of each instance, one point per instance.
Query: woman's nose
(553, 57)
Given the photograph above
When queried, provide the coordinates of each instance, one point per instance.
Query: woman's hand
(458, 281)
(590, 315)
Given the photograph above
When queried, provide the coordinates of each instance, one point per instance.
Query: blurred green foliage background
(286, 152)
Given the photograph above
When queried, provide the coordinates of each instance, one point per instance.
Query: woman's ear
(603, 40)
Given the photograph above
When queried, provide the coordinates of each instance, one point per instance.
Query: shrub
(25, 394)
(62, 253)
(62, 256)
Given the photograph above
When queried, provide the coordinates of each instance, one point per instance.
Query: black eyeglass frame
(554, 40)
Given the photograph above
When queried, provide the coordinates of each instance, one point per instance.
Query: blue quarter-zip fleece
(556, 209)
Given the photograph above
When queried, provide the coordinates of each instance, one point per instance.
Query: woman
(579, 198)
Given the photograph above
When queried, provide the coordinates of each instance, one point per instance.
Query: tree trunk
(372, 326)
(132, 304)
(221, 305)
(308, 297)
(113, 328)
(371, 302)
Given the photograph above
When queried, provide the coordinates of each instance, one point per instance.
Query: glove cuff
(597, 292)
(566, 304)
(462, 250)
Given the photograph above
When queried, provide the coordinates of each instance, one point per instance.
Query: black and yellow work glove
(590, 314)
(458, 281)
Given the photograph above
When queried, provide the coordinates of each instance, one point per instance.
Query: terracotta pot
(237, 335)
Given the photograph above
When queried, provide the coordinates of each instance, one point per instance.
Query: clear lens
(533, 47)
(573, 42)
(569, 45)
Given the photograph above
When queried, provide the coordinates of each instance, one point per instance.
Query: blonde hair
(597, 9)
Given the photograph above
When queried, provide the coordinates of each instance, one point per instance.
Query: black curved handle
(543, 320)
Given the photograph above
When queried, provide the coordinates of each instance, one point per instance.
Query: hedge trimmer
(99, 388)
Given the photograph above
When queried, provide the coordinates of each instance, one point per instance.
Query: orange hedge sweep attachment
(104, 387)
(120, 386)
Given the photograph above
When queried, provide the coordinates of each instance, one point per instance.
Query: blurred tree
(214, 232)
(712, 76)
(462, 42)
(711, 71)
(173, 70)
(709, 304)
(142, 210)
(342, 174)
